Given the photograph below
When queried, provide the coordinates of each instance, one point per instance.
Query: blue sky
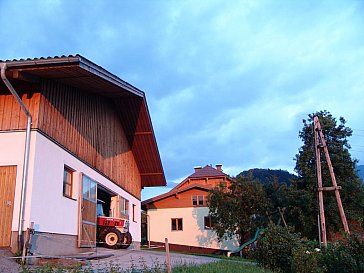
(226, 81)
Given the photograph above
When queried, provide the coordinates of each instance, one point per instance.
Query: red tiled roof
(207, 171)
(176, 191)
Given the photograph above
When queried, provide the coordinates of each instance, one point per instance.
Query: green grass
(221, 266)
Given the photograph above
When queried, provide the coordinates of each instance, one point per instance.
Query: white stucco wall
(46, 206)
(193, 233)
(12, 153)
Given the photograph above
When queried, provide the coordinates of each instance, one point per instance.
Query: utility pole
(320, 143)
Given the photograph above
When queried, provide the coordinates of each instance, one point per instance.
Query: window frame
(177, 226)
(196, 200)
(209, 226)
(133, 212)
(124, 203)
(68, 184)
(89, 189)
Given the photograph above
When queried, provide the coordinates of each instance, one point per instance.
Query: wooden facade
(180, 200)
(84, 123)
(88, 126)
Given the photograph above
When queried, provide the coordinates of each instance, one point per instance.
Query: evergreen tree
(303, 206)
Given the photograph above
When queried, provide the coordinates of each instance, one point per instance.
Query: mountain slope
(267, 176)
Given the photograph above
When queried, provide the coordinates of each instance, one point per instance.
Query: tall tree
(238, 208)
(303, 196)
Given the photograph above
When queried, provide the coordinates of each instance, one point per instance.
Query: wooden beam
(142, 174)
(330, 188)
(333, 179)
(319, 183)
(141, 133)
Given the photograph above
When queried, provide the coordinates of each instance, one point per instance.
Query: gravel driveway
(121, 259)
(7, 265)
(126, 259)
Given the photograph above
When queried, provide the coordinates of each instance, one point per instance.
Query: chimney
(218, 167)
(197, 169)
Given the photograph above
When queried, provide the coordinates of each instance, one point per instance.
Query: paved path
(127, 259)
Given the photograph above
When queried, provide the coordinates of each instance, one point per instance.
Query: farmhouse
(181, 215)
(71, 134)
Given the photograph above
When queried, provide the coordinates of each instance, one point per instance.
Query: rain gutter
(26, 153)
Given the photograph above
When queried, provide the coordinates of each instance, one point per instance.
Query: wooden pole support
(168, 257)
(27, 244)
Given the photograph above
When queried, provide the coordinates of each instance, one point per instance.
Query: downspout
(26, 153)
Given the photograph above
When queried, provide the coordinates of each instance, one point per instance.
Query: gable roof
(206, 172)
(175, 191)
(130, 103)
(200, 173)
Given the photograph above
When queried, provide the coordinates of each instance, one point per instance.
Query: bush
(345, 256)
(282, 251)
(306, 257)
(276, 247)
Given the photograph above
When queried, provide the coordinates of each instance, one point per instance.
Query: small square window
(208, 222)
(67, 182)
(176, 224)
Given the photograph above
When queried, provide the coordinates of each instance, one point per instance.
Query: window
(134, 218)
(89, 188)
(208, 222)
(67, 182)
(198, 200)
(176, 224)
(124, 206)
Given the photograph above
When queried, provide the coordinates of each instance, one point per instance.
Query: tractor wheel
(111, 237)
(127, 240)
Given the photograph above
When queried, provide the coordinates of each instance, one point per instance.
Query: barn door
(87, 213)
(7, 190)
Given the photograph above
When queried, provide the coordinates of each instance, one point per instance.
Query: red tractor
(112, 232)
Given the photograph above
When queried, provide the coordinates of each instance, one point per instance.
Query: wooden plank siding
(84, 123)
(12, 116)
(88, 126)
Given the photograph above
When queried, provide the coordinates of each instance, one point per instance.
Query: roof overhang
(130, 103)
(175, 191)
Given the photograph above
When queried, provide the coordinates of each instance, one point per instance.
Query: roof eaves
(83, 63)
(175, 191)
(103, 73)
(41, 61)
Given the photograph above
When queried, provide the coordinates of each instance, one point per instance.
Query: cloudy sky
(226, 81)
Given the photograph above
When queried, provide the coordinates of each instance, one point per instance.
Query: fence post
(168, 257)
